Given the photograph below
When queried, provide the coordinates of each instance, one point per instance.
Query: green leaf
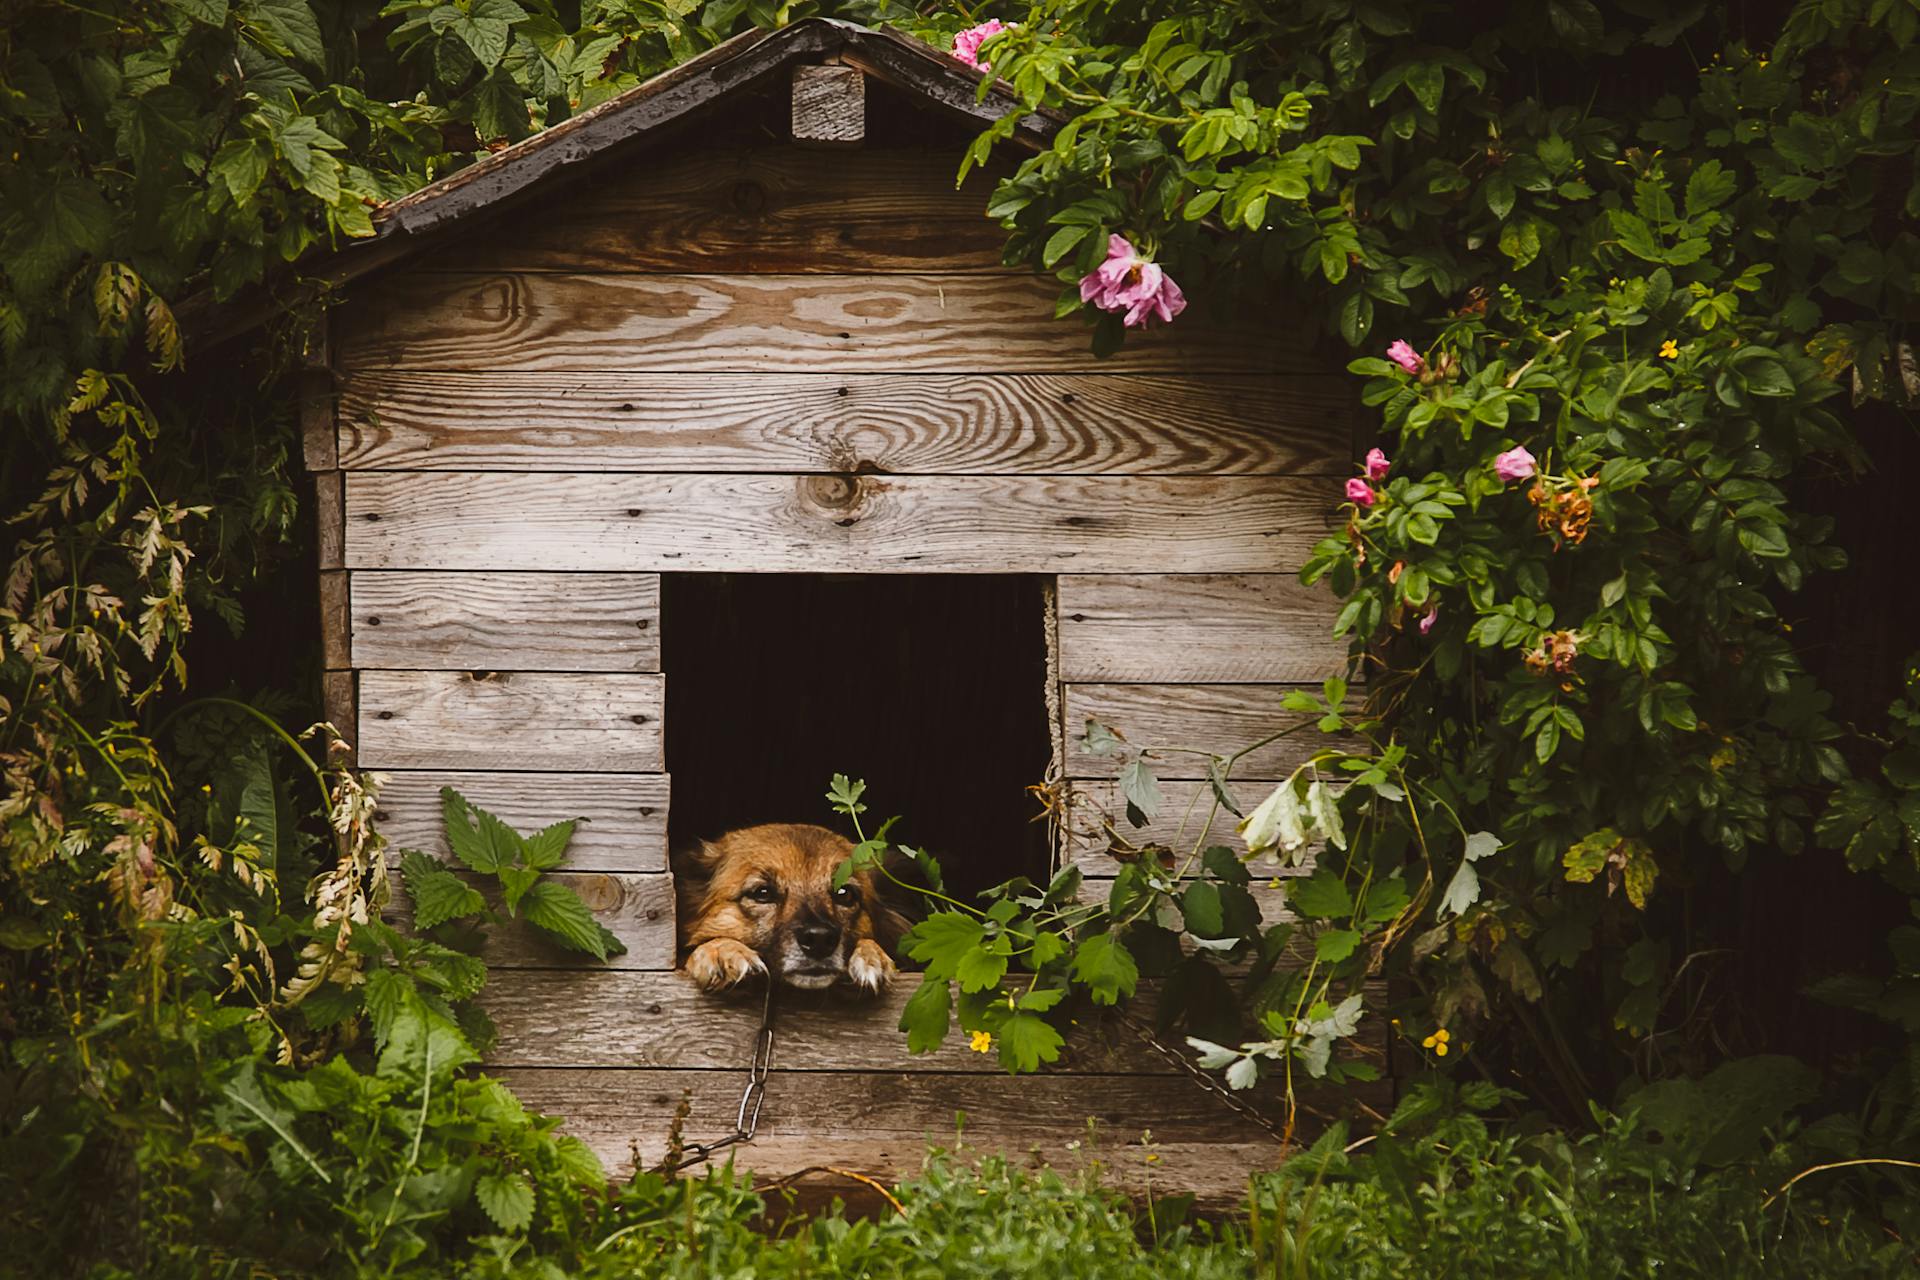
(507, 1199)
(1200, 908)
(1106, 967)
(1336, 945)
(290, 29)
(1320, 896)
(941, 940)
(558, 912)
(1224, 865)
(438, 894)
(546, 848)
(1709, 187)
(515, 882)
(981, 967)
(928, 1015)
(1141, 788)
(241, 166)
(1027, 1040)
(480, 840)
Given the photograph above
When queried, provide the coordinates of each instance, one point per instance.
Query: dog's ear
(696, 861)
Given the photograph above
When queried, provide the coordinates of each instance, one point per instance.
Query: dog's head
(771, 888)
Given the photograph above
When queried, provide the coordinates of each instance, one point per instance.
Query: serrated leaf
(1106, 967)
(1026, 1040)
(290, 29)
(438, 895)
(558, 912)
(507, 1199)
(1320, 896)
(941, 940)
(1335, 945)
(980, 968)
(546, 848)
(928, 1015)
(480, 840)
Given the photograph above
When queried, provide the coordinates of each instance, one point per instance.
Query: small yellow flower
(1440, 1050)
(1437, 1042)
(981, 1042)
(1669, 349)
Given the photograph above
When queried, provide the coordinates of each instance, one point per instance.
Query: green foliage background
(1667, 248)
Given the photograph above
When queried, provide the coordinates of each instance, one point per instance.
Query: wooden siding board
(622, 816)
(1185, 628)
(336, 628)
(1188, 820)
(823, 524)
(904, 424)
(636, 909)
(565, 723)
(922, 323)
(1220, 718)
(778, 209)
(507, 621)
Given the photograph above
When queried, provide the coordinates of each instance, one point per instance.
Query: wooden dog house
(729, 329)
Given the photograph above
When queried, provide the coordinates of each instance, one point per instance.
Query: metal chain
(746, 1121)
(1203, 1078)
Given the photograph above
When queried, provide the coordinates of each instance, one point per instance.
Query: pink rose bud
(1377, 465)
(1515, 464)
(966, 45)
(1432, 616)
(1359, 493)
(1403, 354)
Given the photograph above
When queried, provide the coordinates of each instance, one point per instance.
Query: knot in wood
(834, 493)
(749, 198)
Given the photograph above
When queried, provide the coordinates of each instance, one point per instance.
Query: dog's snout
(817, 938)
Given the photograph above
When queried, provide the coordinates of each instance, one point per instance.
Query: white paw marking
(870, 967)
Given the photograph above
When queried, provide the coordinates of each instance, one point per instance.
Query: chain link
(1204, 1078)
(746, 1121)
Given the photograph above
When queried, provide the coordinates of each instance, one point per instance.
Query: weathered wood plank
(873, 323)
(824, 524)
(318, 448)
(336, 648)
(1178, 628)
(1220, 718)
(340, 704)
(329, 517)
(1188, 820)
(623, 817)
(507, 621)
(829, 106)
(579, 1018)
(565, 723)
(1040, 424)
(637, 909)
(762, 209)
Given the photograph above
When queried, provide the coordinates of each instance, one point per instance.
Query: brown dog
(761, 900)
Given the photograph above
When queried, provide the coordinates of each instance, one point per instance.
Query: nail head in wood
(829, 106)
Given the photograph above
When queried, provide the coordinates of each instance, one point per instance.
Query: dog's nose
(817, 940)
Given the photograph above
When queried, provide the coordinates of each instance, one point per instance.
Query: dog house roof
(417, 221)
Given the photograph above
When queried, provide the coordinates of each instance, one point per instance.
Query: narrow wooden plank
(637, 909)
(870, 323)
(1220, 718)
(825, 524)
(1036, 424)
(319, 440)
(623, 817)
(507, 621)
(336, 649)
(1180, 628)
(829, 106)
(329, 520)
(564, 723)
(577, 1018)
(777, 208)
(340, 705)
(639, 1105)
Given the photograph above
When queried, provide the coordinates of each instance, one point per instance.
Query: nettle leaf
(480, 840)
(1106, 967)
(507, 1199)
(546, 848)
(928, 1015)
(438, 894)
(558, 912)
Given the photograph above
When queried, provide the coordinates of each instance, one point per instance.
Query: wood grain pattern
(318, 448)
(340, 704)
(761, 209)
(507, 621)
(580, 1018)
(829, 106)
(1182, 628)
(923, 323)
(336, 627)
(826, 524)
(637, 909)
(623, 817)
(329, 520)
(564, 723)
(1188, 820)
(1221, 718)
(955, 424)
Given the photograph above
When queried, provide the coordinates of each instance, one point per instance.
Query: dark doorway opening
(932, 688)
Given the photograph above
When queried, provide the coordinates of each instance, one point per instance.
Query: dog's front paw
(723, 963)
(870, 968)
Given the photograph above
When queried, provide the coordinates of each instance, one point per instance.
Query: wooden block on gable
(829, 106)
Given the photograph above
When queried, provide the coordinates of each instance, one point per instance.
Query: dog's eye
(762, 893)
(846, 895)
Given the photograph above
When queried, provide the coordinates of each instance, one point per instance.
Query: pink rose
(966, 45)
(1358, 492)
(1432, 616)
(1377, 465)
(1403, 354)
(1515, 464)
(1129, 283)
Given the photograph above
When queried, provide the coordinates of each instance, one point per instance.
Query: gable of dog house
(738, 321)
